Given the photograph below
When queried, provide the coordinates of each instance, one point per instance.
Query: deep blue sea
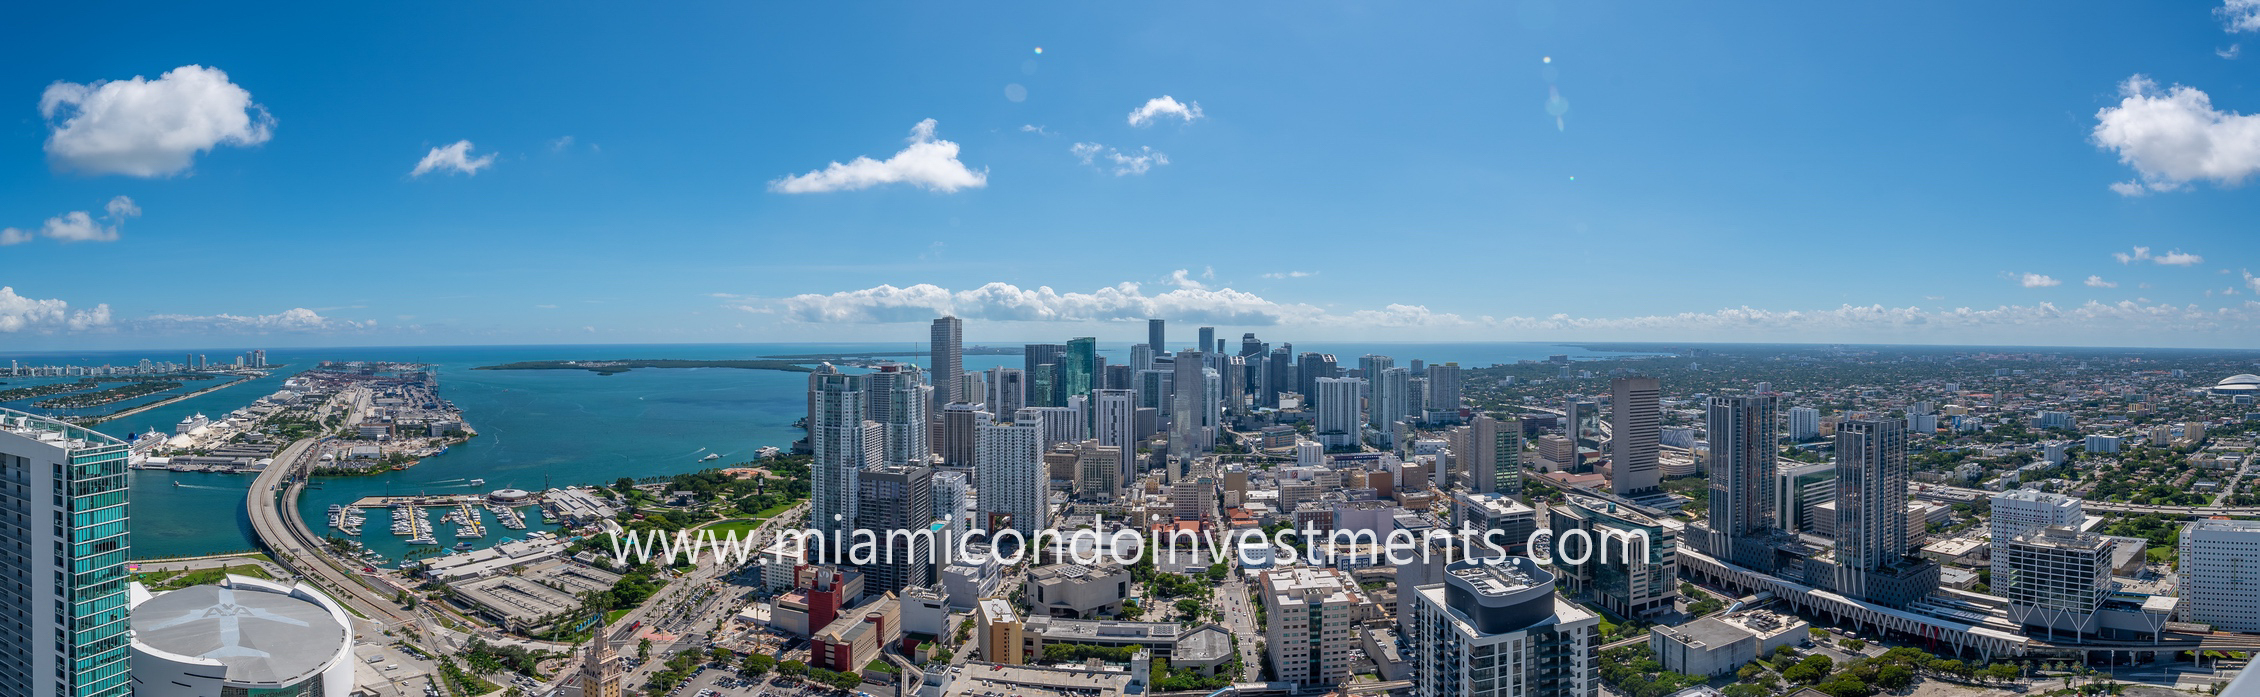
(556, 427)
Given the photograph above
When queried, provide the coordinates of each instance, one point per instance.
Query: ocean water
(540, 428)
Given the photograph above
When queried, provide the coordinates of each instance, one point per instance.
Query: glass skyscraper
(63, 506)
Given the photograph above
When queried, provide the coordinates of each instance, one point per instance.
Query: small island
(624, 365)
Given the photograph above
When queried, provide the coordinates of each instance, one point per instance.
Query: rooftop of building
(997, 608)
(1496, 579)
(997, 680)
(2036, 496)
(53, 432)
(260, 632)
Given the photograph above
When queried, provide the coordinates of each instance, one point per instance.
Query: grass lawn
(777, 510)
(615, 615)
(166, 580)
(741, 527)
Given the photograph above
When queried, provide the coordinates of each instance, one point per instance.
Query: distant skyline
(1524, 171)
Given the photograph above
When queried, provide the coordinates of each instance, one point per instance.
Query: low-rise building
(1715, 646)
(1075, 590)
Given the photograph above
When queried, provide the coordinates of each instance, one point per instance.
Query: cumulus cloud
(1007, 302)
(1290, 274)
(1121, 163)
(455, 157)
(2034, 280)
(19, 313)
(2173, 258)
(80, 226)
(2229, 53)
(149, 128)
(294, 320)
(1129, 303)
(2239, 15)
(1162, 107)
(928, 163)
(2174, 136)
(2098, 282)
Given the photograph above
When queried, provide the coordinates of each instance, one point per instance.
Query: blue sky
(538, 173)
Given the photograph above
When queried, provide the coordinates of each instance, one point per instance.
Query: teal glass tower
(63, 508)
(1081, 368)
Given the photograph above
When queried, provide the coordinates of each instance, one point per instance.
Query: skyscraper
(1336, 419)
(1250, 346)
(960, 422)
(843, 442)
(1743, 451)
(1156, 338)
(2219, 576)
(1280, 369)
(1497, 628)
(1392, 401)
(1207, 340)
(1185, 419)
(947, 360)
(1035, 356)
(1115, 410)
(1804, 423)
(1369, 369)
(1308, 369)
(1009, 461)
(1871, 560)
(1141, 358)
(889, 498)
(1871, 493)
(1081, 367)
(1493, 460)
(69, 637)
(1636, 419)
(1008, 390)
(1444, 384)
(899, 399)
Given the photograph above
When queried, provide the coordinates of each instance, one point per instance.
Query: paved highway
(2111, 507)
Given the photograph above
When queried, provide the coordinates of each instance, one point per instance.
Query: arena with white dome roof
(2242, 383)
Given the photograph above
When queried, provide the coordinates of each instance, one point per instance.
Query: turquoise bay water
(556, 427)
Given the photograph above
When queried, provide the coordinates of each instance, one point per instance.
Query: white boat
(710, 456)
(478, 482)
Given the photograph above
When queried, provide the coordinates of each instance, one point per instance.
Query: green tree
(757, 664)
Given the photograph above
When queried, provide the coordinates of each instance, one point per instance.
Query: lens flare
(1547, 59)
(1039, 50)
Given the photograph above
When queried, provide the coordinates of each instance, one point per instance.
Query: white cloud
(1129, 303)
(2239, 15)
(2175, 136)
(1007, 302)
(2034, 280)
(294, 320)
(455, 157)
(1290, 274)
(561, 144)
(1162, 106)
(149, 128)
(80, 226)
(928, 163)
(1182, 278)
(1122, 163)
(2173, 258)
(1036, 129)
(2098, 282)
(2229, 53)
(19, 313)
(2177, 258)
(2252, 282)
